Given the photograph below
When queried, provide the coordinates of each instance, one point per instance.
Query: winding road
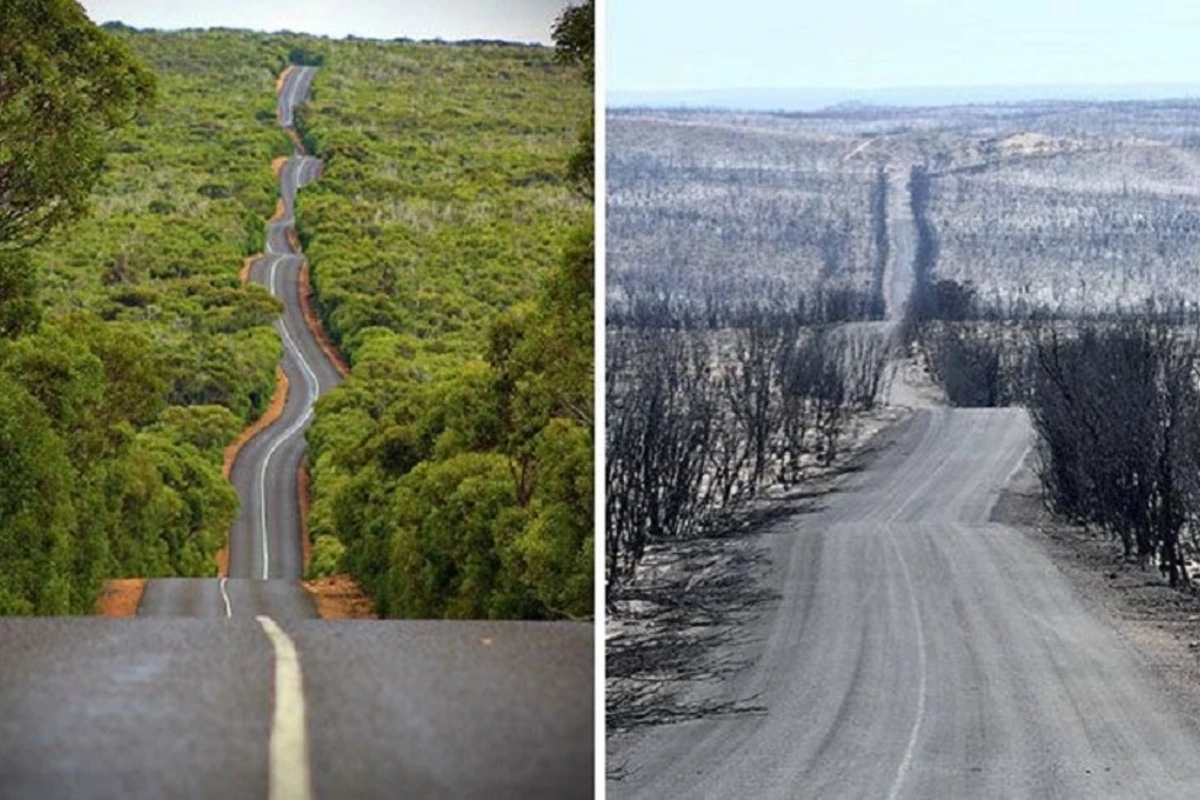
(922, 650)
(265, 542)
(228, 688)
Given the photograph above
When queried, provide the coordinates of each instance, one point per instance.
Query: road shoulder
(120, 597)
(679, 637)
(1161, 624)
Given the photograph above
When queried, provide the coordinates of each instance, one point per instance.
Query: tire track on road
(973, 671)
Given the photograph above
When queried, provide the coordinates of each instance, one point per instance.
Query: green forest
(452, 260)
(451, 255)
(130, 352)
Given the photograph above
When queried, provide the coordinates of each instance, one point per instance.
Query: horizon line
(908, 87)
(335, 37)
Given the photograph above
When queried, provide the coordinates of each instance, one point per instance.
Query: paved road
(265, 540)
(185, 708)
(899, 272)
(251, 697)
(241, 597)
(920, 650)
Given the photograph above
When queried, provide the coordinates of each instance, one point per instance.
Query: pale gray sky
(871, 44)
(511, 20)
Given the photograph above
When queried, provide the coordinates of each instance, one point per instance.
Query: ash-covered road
(920, 650)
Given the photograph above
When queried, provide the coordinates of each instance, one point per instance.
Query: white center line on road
(262, 485)
(290, 96)
(922, 687)
(310, 376)
(225, 598)
(313, 384)
(288, 774)
(294, 167)
(915, 732)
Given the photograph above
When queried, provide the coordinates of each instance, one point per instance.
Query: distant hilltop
(813, 99)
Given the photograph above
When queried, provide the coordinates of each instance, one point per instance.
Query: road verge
(677, 634)
(311, 318)
(336, 596)
(340, 597)
(314, 323)
(1161, 623)
(120, 597)
(303, 481)
(270, 415)
(279, 82)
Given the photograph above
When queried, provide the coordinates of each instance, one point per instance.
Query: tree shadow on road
(678, 634)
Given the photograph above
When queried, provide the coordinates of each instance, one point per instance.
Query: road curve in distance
(265, 540)
(229, 688)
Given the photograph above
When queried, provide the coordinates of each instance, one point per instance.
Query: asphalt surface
(921, 651)
(898, 276)
(182, 708)
(265, 541)
(242, 597)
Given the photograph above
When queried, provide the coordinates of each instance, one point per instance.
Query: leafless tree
(1117, 410)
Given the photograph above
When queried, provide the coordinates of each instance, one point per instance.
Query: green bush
(141, 355)
(326, 560)
(452, 261)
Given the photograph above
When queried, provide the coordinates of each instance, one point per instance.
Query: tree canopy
(452, 260)
(575, 44)
(130, 353)
(575, 38)
(64, 82)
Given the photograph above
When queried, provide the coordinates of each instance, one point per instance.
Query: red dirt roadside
(283, 77)
(274, 409)
(314, 324)
(339, 597)
(120, 597)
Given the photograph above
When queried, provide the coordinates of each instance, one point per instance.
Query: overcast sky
(864, 44)
(511, 20)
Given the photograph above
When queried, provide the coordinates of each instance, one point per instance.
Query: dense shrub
(452, 263)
